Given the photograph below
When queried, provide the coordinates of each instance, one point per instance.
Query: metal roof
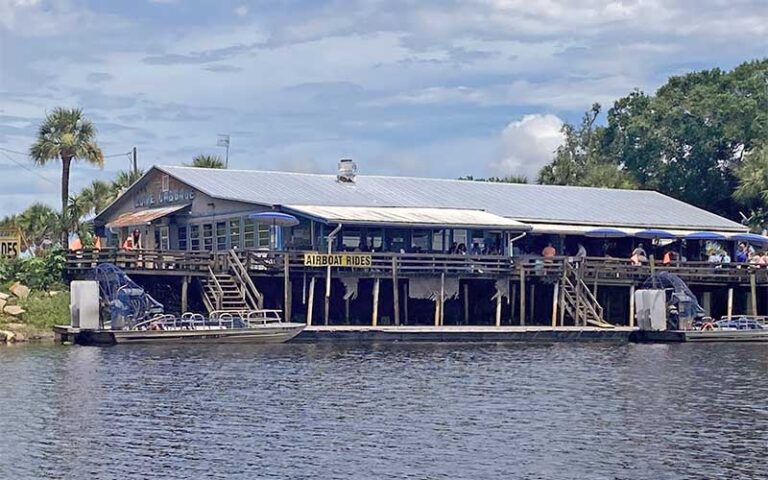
(522, 202)
(408, 217)
(143, 217)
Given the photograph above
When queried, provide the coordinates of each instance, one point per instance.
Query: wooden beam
(395, 291)
(512, 302)
(498, 309)
(405, 303)
(729, 311)
(753, 293)
(442, 298)
(375, 315)
(632, 306)
(311, 301)
(522, 295)
(555, 300)
(287, 288)
(533, 303)
(346, 311)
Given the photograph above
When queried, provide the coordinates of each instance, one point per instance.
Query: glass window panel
(420, 241)
(249, 233)
(194, 237)
(182, 234)
(437, 241)
(263, 236)
(208, 236)
(234, 232)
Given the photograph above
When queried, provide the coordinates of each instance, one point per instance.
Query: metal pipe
(513, 240)
(329, 239)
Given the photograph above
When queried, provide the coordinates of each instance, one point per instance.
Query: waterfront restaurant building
(194, 209)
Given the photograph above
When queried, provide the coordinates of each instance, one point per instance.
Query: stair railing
(250, 292)
(218, 293)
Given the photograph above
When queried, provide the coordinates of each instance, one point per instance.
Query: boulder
(4, 296)
(20, 290)
(3, 303)
(13, 310)
(6, 336)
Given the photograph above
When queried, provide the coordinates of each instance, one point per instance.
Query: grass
(43, 311)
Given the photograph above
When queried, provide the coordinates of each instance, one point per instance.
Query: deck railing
(604, 270)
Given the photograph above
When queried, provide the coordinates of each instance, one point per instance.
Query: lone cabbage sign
(10, 243)
(353, 260)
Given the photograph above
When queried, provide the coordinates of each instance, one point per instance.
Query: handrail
(219, 293)
(250, 288)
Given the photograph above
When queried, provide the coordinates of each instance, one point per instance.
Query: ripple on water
(385, 411)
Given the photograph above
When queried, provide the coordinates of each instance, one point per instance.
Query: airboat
(128, 314)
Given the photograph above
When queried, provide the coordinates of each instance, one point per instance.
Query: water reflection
(385, 411)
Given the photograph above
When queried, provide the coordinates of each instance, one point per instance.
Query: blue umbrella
(275, 219)
(653, 233)
(605, 233)
(704, 236)
(749, 237)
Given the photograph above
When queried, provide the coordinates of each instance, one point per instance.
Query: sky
(434, 88)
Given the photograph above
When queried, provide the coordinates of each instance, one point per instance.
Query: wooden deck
(603, 271)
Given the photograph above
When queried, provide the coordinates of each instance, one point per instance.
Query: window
(166, 183)
(420, 241)
(208, 236)
(438, 241)
(182, 233)
(194, 237)
(350, 238)
(249, 233)
(221, 236)
(459, 237)
(263, 236)
(234, 233)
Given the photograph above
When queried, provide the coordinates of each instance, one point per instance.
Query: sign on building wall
(10, 243)
(353, 260)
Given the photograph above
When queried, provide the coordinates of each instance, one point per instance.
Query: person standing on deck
(742, 254)
(549, 252)
(581, 252)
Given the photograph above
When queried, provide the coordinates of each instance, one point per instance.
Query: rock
(3, 303)
(13, 310)
(20, 290)
(4, 296)
(53, 293)
(18, 337)
(7, 336)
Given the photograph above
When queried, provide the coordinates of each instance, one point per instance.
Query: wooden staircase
(231, 290)
(577, 301)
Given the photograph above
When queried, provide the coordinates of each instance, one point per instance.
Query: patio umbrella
(653, 234)
(605, 233)
(704, 236)
(749, 237)
(274, 220)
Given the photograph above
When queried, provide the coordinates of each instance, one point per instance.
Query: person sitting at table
(742, 254)
(549, 252)
(669, 256)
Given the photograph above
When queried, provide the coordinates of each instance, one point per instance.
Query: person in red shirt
(549, 252)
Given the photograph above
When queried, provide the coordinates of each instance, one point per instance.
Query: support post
(522, 295)
(442, 298)
(706, 303)
(632, 306)
(185, 294)
(287, 288)
(729, 312)
(753, 293)
(498, 309)
(375, 316)
(512, 302)
(555, 299)
(327, 303)
(395, 292)
(533, 303)
(346, 311)
(466, 304)
(311, 301)
(405, 303)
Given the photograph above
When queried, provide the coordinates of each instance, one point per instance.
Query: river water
(422, 411)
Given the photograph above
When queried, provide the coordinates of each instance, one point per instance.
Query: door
(162, 237)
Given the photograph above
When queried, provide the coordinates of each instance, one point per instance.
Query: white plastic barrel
(84, 304)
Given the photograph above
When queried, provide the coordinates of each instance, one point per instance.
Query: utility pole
(223, 141)
(134, 161)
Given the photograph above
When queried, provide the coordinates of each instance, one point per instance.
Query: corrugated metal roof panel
(409, 216)
(143, 217)
(543, 203)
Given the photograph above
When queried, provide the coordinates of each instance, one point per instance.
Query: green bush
(39, 273)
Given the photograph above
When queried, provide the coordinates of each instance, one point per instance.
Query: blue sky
(428, 88)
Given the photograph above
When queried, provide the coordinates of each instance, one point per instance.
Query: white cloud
(241, 11)
(527, 145)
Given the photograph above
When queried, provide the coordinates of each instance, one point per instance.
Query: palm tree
(752, 175)
(124, 180)
(37, 222)
(207, 161)
(95, 197)
(67, 135)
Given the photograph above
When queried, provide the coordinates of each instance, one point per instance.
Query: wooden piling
(287, 289)
(311, 301)
(405, 303)
(498, 309)
(555, 300)
(632, 306)
(185, 294)
(753, 293)
(375, 315)
(466, 304)
(532, 313)
(346, 310)
(522, 295)
(729, 312)
(512, 302)
(395, 292)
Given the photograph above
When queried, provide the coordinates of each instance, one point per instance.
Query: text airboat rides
(337, 260)
(167, 197)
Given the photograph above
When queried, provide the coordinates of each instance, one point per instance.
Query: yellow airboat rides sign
(353, 260)
(10, 243)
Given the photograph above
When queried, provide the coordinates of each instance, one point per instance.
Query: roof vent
(347, 171)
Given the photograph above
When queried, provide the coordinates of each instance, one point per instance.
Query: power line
(28, 169)
(13, 151)
(27, 154)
